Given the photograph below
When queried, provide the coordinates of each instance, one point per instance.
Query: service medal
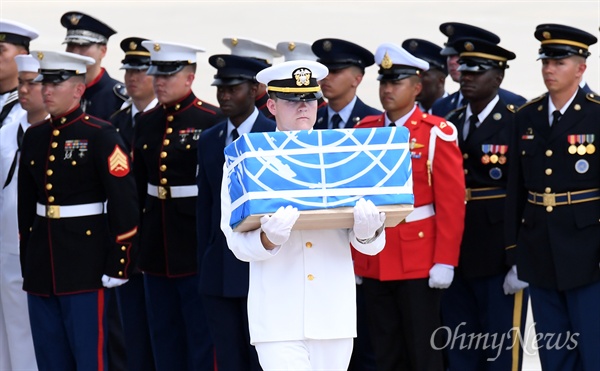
(485, 159)
(502, 159)
(572, 139)
(581, 150)
(494, 158)
(572, 149)
(590, 149)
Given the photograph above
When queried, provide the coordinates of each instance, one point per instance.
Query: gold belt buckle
(163, 192)
(549, 199)
(468, 194)
(53, 212)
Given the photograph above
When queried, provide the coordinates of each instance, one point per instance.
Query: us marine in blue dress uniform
(165, 159)
(78, 220)
(88, 36)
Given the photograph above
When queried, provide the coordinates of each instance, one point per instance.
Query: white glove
(440, 276)
(278, 226)
(110, 282)
(367, 219)
(512, 283)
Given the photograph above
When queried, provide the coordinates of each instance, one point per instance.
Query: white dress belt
(70, 211)
(164, 192)
(420, 213)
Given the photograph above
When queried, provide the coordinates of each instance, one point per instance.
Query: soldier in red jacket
(401, 283)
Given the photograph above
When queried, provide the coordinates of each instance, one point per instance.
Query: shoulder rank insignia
(118, 164)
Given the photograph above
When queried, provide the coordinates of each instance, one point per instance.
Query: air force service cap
(16, 33)
(559, 41)
(136, 56)
(27, 63)
(167, 58)
(296, 50)
(294, 80)
(475, 55)
(337, 54)
(234, 70)
(56, 67)
(252, 49)
(428, 52)
(395, 63)
(456, 30)
(83, 29)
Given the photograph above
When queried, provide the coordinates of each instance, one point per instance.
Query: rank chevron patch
(118, 164)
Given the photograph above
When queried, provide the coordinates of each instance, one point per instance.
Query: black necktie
(135, 118)
(335, 121)
(392, 124)
(234, 135)
(13, 165)
(556, 115)
(473, 120)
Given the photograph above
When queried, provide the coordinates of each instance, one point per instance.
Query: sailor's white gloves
(278, 226)
(368, 221)
(512, 283)
(110, 282)
(440, 276)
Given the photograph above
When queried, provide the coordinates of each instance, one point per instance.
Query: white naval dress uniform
(16, 345)
(303, 290)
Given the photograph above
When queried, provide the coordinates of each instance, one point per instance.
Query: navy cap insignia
(302, 76)
(327, 45)
(387, 61)
(291, 46)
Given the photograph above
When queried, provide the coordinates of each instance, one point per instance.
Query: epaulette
(511, 108)
(94, 120)
(368, 120)
(444, 129)
(126, 109)
(120, 91)
(532, 101)
(593, 97)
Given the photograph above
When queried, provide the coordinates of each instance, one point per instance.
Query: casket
(322, 173)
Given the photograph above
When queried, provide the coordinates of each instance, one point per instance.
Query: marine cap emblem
(156, 47)
(291, 46)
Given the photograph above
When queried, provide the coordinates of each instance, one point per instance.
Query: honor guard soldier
(455, 31)
(553, 203)
(223, 278)
(346, 62)
(88, 36)
(166, 159)
(14, 40)
(257, 50)
(295, 326)
(16, 345)
(139, 87)
(78, 219)
(131, 297)
(486, 296)
(296, 50)
(401, 284)
(434, 79)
